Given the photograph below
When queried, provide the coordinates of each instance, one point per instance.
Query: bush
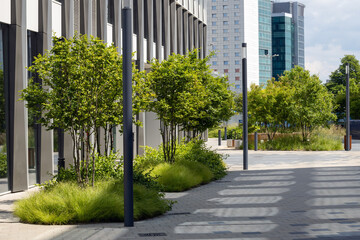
(196, 151)
(181, 176)
(3, 165)
(67, 203)
(150, 159)
(322, 139)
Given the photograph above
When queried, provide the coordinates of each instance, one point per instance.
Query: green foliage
(3, 165)
(337, 85)
(322, 139)
(186, 95)
(83, 93)
(181, 176)
(297, 99)
(150, 159)
(233, 132)
(196, 151)
(67, 203)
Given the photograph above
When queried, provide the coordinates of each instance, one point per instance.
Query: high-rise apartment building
(231, 23)
(287, 36)
(265, 46)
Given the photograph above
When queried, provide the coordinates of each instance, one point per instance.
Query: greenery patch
(68, 203)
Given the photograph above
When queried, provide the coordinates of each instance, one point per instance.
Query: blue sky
(332, 29)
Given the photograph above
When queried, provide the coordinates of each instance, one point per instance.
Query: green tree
(186, 96)
(312, 104)
(83, 94)
(337, 85)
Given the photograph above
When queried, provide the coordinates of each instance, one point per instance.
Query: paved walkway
(299, 196)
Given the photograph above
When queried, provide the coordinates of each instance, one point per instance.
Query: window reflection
(3, 150)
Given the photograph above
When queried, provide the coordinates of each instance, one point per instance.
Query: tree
(337, 85)
(186, 96)
(312, 104)
(268, 107)
(83, 94)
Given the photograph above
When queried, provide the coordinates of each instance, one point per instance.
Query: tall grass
(68, 203)
(181, 176)
(322, 139)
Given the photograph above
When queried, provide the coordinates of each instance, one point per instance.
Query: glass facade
(282, 47)
(4, 171)
(265, 48)
(33, 127)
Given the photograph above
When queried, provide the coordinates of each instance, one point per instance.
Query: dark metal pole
(225, 133)
(61, 159)
(127, 118)
(219, 137)
(255, 141)
(347, 147)
(245, 111)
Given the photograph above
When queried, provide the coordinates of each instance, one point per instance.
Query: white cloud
(324, 59)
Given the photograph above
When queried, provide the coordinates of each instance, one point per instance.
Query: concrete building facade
(161, 27)
(232, 23)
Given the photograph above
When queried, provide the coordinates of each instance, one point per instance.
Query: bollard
(256, 141)
(219, 137)
(225, 134)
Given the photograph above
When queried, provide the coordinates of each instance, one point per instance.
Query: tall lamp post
(127, 115)
(347, 146)
(245, 111)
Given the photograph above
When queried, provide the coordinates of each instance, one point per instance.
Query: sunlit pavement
(283, 196)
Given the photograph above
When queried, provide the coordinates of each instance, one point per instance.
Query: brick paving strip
(284, 196)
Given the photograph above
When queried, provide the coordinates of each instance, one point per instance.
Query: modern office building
(161, 27)
(265, 42)
(287, 36)
(232, 23)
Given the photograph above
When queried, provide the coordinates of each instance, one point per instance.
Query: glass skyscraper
(265, 46)
(287, 36)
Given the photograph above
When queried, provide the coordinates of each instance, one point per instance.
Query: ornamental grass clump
(181, 176)
(67, 203)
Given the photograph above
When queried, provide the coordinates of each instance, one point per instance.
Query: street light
(245, 116)
(127, 115)
(347, 145)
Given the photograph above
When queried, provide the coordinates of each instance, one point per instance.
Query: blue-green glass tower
(265, 48)
(282, 43)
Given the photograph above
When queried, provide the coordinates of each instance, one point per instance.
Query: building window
(213, 31)
(237, 46)
(225, 23)
(225, 30)
(226, 54)
(213, 15)
(237, 30)
(237, 54)
(214, 63)
(237, 38)
(237, 70)
(226, 62)
(237, 62)
(213, 7)
(226, 46)
(225, 7)
(236, 14)
(213, 39)
(237, 78)
(213, 23)
(225, 15)
(236, 6)
(236, 22)
(225, 39)
(237, 86)
(226, 70)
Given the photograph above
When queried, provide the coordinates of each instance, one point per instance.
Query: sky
(332, 30)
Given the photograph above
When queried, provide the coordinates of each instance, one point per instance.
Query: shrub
(181, 176)
(197, 151)
(3, 165)
(322, 139)
(150, 159)
(68, 203)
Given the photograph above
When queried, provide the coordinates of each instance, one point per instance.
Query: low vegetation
(68, 203)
